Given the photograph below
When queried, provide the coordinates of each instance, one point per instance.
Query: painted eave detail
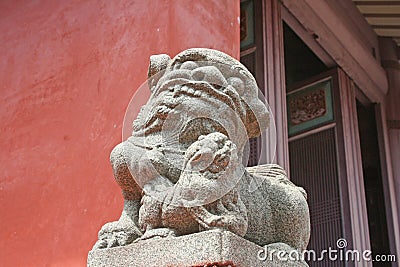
(339, 41)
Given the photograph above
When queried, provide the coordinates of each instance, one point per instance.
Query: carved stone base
(204, 249)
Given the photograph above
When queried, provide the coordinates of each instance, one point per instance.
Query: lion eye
(196, 157)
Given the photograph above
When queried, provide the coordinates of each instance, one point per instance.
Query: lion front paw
(157, 233)
(116, 234)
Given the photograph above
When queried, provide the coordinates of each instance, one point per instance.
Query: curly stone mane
(206, 75)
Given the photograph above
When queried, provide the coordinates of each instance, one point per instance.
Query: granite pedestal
(210, 248)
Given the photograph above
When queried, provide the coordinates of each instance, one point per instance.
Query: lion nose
(209, 74)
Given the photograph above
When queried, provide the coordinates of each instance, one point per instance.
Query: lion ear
(158, 63)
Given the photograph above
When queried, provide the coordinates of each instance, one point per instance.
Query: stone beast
(197, 93)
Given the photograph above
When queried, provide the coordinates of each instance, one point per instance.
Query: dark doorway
(374, 192)
(300, 62)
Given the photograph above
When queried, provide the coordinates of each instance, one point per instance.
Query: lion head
(198, 92)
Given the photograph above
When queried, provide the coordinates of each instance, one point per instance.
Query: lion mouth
(200, 89)
(173, 95)
(181, 90)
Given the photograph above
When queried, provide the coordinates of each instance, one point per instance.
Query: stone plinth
(210, 248)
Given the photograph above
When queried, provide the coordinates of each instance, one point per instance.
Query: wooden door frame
(392, 216)
(351, 46)
(272, 77)
(311, 22)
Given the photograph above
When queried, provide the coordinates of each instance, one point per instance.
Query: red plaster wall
(67, 72)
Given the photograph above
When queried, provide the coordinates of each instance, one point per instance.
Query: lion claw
(115, 234)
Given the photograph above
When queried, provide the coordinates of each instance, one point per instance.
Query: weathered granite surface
(181, 172)
(209, 248)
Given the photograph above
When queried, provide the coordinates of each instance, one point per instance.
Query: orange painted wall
(67, 72)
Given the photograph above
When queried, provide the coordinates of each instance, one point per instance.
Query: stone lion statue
(182, 169)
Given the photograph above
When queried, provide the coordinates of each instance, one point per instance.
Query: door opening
(374, 192)
(300, 61)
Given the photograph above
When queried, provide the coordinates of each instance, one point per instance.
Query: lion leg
(150, 219)
(228, 213)
(125, 230)
(291, 215)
